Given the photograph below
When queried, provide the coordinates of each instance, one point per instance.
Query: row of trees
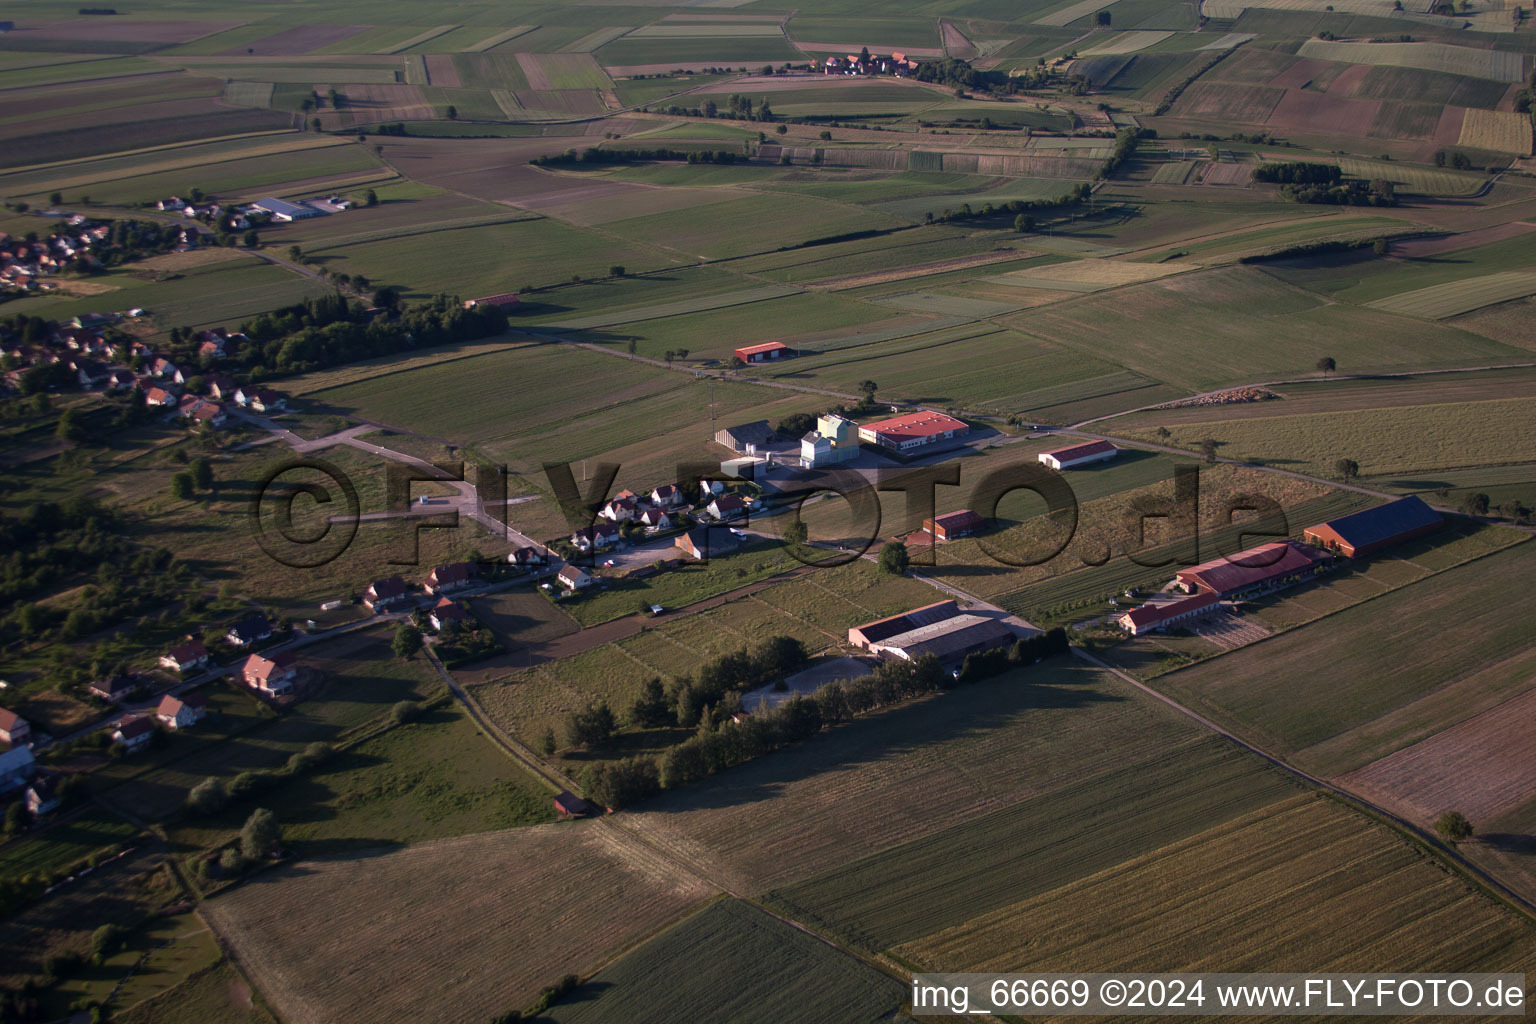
(593, 155)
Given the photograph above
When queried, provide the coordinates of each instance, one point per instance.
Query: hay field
(1482, 766)
(1495, 65)
(1306, 886)
(555, 71)
(367, 939)
(1500, 131)
(1086, 275)
(733, 959)
(1440, 301)
(1067, 15)
(1382, 654)
(1126, 42)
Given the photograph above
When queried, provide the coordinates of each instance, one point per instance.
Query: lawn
(728, 962)
(1305, 885)
(1382, 654)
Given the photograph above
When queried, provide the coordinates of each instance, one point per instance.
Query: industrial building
(1364, 533)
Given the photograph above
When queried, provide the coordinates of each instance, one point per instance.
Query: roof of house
(192, 650)
(15, 759)
(597, 530)
(9, 718)
(964, 519)
(253, 627)
(392, 587)
(665, 491)
(262, 668)
(457, 572)
(893, 625)
(283, 207)
(1080, 451)
(915, 425)
(132, 727)
(767, 346)
(1152, 614)
(169, 705)
(447, 608)
(571, 573)
(1384, 522)
(728, 502)
(1255, 565)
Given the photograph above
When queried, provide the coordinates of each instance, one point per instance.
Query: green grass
(1085, 825)
(681, 587)
(1440, 301)
(1381, 654)
(1365, 278)
(64, 844)
(737, 52)
(202, 999)
(751, 225)
(729, 961)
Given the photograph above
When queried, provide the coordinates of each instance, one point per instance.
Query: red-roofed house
(446, 611)
(764, 353)
(190, 655)
(135, 733)
(1266, 567)
(272, 676)
(1160, 616)
(14, 729)
(450, 577)
(1079, 455)
(595, 536)
(181, 712)
(383, 594)
(727, 506)
(667, 496)
(913, 431)
(954, 525)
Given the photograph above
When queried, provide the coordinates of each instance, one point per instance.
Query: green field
(732, 955)
(752, 225)
(64, 845)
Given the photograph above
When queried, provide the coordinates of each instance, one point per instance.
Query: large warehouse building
(1266, 567)
(949, 640)
(1364, 533)
(1079, 455)
(913, 432)
(881, 629)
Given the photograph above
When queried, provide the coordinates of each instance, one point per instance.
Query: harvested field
(1303, 110)
(1495, 65)
(1496, 130)
(1086, 275)
(1406, 121)
(1249, 104)
(729, 962)
(441, 71)
(1454, 298)
(1308, 885)
(1482, 767)
(364, 941)
(1419, 248)
(1070, 13)
(297, 40)
(1226, 172)
(1228, 41)
(549, 72)
(68, 33)
(1126, 42)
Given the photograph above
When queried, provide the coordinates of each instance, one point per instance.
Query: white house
(186, 658)
(595, 536)
(655, 519)
(14, 729)
(727, 506)
(667, 496)
(134, 733)
(573, 577)
(181, 712)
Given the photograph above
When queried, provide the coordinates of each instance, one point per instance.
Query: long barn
(1369, 531)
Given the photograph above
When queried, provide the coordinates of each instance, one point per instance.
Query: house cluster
(665, 508)
(940, 629)
(867, 63)
(26, 266)
(209, 213)
(1207, 587)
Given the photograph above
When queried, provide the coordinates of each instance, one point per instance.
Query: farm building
(14, 729)
(188, 656)
(272, 676)
(834, 440)
(134, 733)
(913, 431)
(569, 805)
(282, 210)
(181, 712)
(893, 625)
(1366, 532)
(16, 767)
(1079, 455)
(450, 577)
(1258, 569)
(949, 640)
(765, 353)
(43, 796)
(115, 688)
(1159, 616)
(506, 300)
(954, 525)
(693, 544)
(746, 438)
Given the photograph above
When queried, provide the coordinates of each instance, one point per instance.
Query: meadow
(733, 949)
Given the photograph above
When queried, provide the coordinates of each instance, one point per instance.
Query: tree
(1326, 365)
(209, 796)
(260, 834)
(230, 862)
(894, 558)
(71, 428)
(1163, 433)
(370, 198)
(867, 388)
(407, 641)
(1381, 246)
(15, 818)
(591, 726)
(1347, 469)
(826, 136)
(387, 297)
(1208, 449)
(796, 533)
(650, 709)
(453, 112)
(250, 239)
(547, 742)
(202, 474)
(1475, 504)
(56, 199)
(295, 253)
(315, 123)
(181, 486)
(616, 271)
(1453, 827)
(781, 129)
(1023, 223)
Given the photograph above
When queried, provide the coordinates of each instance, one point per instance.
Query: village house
(384, 594)
(446, 611)
(250, 630)
(14, 729)
(954, 525)
(262, 400)
(573, 577)
(1078, 455)
(115, 688)
(655, 519)
(134, 733)
(272, 676)
(181, 712)
(17, 766)
(727, 506)
(598, 535)
(1151, 617)
(621, 510)
(221, 386)
(913, 432)
(668, 496)
(186, 657)
(43, 796)
(528, 556)
(155, 397)
(162, 368)
(456, 576)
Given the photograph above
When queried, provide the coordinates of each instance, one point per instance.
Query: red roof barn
(764, 353)
(953, 525)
